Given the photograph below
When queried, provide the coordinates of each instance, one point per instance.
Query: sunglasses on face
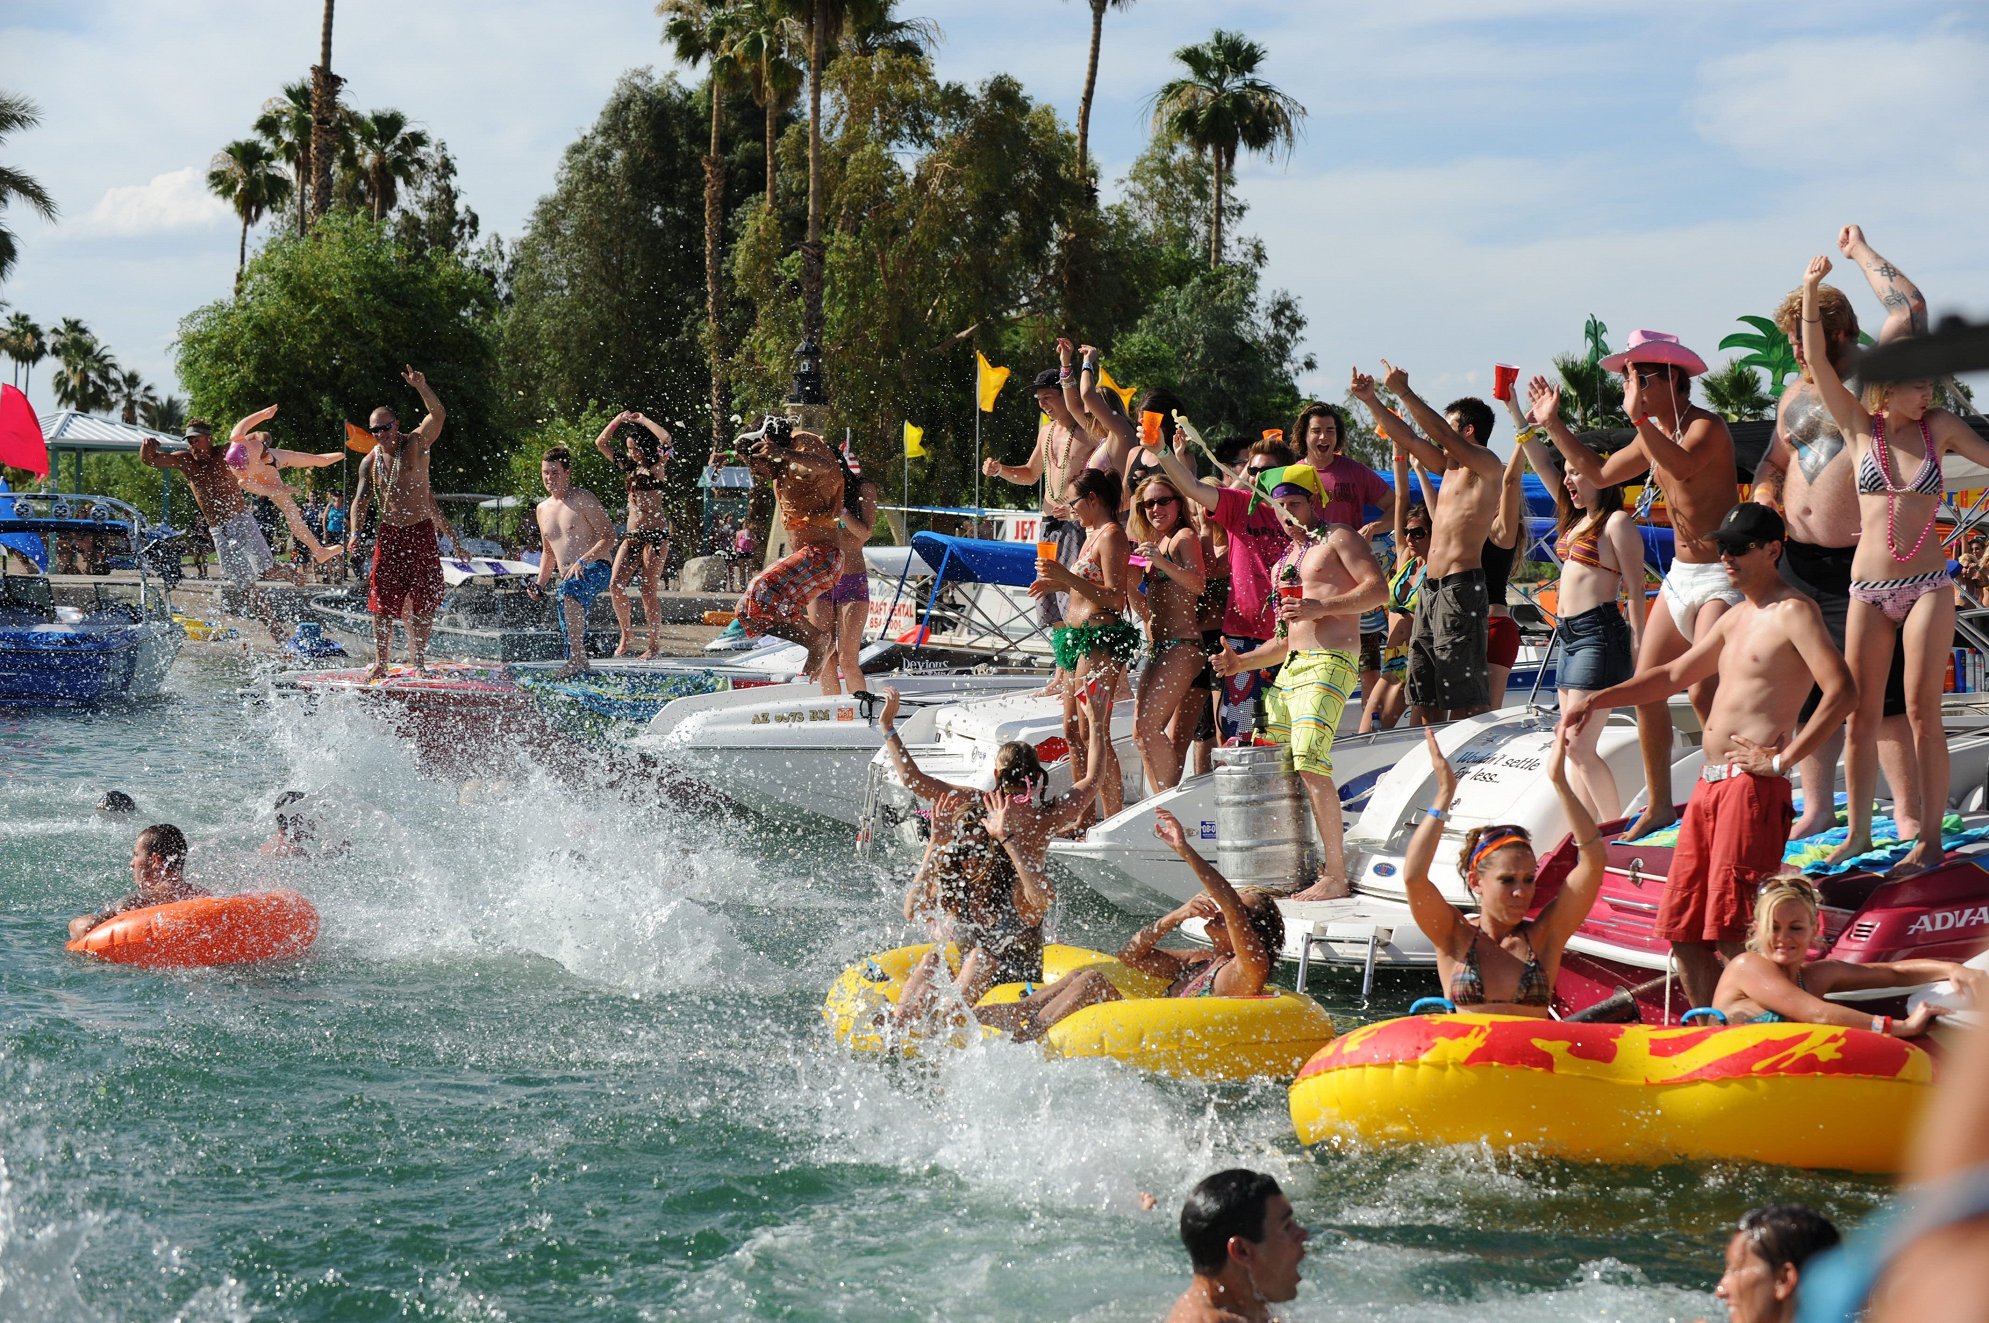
(1735, 553)
(1645, 376)
(1260, 468)
(1415, 534)
(1156, 502)
(380, 429)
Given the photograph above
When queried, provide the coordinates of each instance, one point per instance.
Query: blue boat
(76, 640)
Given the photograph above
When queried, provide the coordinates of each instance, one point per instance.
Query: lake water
(558, 1055)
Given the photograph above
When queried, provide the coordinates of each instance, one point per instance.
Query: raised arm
(1442, 922)
(1253, 959)
(1627, 463)
(1403, 435)
(305, 459)
(1564, 913)
(1850, 415)
(604, 442)
(1456, 450)
(925, 787)
(1905, 307)
(152, 457)
(1508, 523)
(1532, 446)
(431, 426)
(1114, 427)
(1181, 471)
(666, 442)
(243, 427)
(1034, 892)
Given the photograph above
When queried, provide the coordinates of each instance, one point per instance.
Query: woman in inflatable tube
(1245, 932)
(1775, 982)
(982, 882)
(1500, 962)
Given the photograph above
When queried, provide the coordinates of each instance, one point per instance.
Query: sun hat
(1656, 347)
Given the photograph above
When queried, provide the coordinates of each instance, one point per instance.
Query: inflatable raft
(207, 930)
(1797, 1095)
(1209, 1038)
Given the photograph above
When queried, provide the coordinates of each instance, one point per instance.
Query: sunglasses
(1416, 534)
(1155, 503)
(1737, 552)
(1260, 468)
(1645, 376)
(379, 429)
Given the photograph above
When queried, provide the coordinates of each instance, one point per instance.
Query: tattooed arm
(1905, 307)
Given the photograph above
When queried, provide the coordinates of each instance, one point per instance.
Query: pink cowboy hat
(1656, 347)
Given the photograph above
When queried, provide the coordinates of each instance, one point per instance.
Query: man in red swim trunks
(407, 570)
(158, 864)
(1736, 823)
(808, 484)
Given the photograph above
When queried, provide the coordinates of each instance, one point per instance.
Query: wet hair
(1840, 319)
(1017, 769)
(293, 821)
(1276, 450)
(1319, 409)
(1229, 1203)
(1470, 856)
(1786, 887)
(1166, 403)
(164, 842)
(1265, 917)
(1786, 1233)
(1102, 483)
(559, 455)
(1139, 525)
(116, 801)
(648, 450)
(1474, 411)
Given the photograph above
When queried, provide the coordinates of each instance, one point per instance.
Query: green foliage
(1734, 392)
(1591, 395)
(323, 327)
(17, 113)
(1768, 349)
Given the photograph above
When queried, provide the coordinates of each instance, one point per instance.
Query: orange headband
(1498, 842)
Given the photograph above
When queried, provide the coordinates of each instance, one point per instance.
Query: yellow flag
(988, 381)
(914, 442)
(1125, 393)
(1042, 419)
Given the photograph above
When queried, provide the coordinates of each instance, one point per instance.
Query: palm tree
(85, 373)
(247, 175)
(1768, 349)
(1098, 8)
(697, 31)
(285, 124)
(24, 342)
(1221, 107)
(164, 415)
(324, 121)
(763, 43)
(17, 113)
(387, 154)
(130, 393)
(1734, 392)
(1590, 393)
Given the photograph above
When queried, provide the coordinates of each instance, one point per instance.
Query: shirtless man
(407, 570)
(1057, 455)
(158, 876)
(1448, 677)
(1324, 581)
(1737, 819)
(808, 484)
(1689, 454)
(239, 546)
(579, 537)
(1245, 1244)
(1806, 474)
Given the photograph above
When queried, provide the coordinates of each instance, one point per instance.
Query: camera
(776, 430)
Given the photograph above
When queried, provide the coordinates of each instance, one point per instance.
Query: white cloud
(176, 200)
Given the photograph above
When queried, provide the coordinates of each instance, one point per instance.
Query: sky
(1475, 177)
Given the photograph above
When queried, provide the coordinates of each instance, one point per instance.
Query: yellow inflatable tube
(1797, 1095)
(1209, 1038)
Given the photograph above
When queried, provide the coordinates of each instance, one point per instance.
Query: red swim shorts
(784, 589)
(406, 568)
(1501, 641)
(1730, 842)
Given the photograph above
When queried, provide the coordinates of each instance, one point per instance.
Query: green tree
(85, 371)
(697, 31)
(1768, 349)
(323, 327)
(1098, 8)
(23, 341)
(130, 393)
(1223, 107)
(325, 120)
(387, 154)
(764, 42)
(17, 113)
(163, 414)
(285, 124)
(246, 175)
(432, 214)
(1591, 395)
(1734, 393)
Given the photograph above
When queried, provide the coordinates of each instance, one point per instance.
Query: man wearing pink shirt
(1350, 486)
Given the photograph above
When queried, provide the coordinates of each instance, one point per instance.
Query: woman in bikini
(1602, 558)
(1095, 643)
(1246, 932)
(845, 609)
(1384, 707)
(646, 548)
(1499, 961)
(1170, 586)
(257, 464)
(1901, 595)
(1774, 981)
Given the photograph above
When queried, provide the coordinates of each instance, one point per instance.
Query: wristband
(1882, 1024)
(1533, 433)
(1775, 765)
(1437, 813)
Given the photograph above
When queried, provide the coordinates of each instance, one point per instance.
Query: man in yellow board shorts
(1322, 584)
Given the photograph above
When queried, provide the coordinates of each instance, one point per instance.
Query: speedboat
(80, 639)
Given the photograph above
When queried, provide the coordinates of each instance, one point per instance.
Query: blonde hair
(1786, 887)
(1840, 319)
(1138, 525)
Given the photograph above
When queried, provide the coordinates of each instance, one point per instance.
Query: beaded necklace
(1892, 493)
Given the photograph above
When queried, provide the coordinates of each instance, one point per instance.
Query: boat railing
(47, 514)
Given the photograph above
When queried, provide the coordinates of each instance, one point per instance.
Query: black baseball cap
(1748, 524)
(1049, 379)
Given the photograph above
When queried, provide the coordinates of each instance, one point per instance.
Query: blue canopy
(976, 560)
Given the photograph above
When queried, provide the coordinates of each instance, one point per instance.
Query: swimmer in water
(116, 802)
(256, 464)
(158, 871)
(1245, 1244)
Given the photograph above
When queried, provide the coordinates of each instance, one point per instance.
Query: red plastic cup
(1503, 377)
(1291, 592)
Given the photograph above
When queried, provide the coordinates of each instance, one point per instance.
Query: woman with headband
(1499, 961)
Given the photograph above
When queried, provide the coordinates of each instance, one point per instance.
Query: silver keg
(1263, 823)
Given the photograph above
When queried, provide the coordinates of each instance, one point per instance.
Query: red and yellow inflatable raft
(207, 930)
(1797, 1095)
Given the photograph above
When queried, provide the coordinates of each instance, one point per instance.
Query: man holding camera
(808, 484)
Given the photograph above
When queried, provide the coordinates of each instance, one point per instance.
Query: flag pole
(977, 446)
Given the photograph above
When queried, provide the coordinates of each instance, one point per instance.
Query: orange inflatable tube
(207, 930)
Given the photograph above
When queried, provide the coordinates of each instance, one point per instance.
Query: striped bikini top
(1585, 548)
(1875, 478)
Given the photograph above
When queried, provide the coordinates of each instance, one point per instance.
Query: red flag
(21, 444)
